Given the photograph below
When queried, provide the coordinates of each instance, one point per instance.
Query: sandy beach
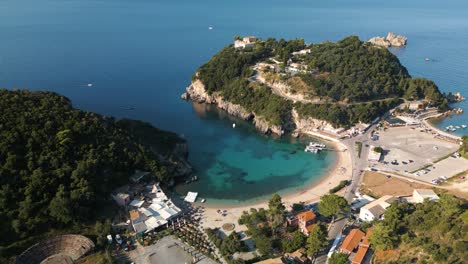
(340, 171)
(431, 126)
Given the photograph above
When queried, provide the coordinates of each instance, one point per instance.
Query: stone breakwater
(197, 93)
(391, 40)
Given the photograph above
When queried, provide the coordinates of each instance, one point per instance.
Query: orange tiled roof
(365, 241)
(352, 240)
(306, 216)
(359, 257)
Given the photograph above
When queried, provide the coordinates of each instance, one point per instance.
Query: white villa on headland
(245, 42)
(302, 52)
(376, 209)
(419, 195)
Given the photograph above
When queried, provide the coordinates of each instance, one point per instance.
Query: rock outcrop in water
(391, 40)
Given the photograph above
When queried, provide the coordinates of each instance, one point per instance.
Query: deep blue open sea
(142, 54)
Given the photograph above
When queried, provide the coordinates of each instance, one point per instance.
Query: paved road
(358, 164)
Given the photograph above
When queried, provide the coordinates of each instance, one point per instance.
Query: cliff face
(197, 93)
(310, 124)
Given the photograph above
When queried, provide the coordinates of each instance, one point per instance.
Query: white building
(374, 155)
(245, 42)
(154, 212)
(302, 52)
(376, 209)
(419, 195)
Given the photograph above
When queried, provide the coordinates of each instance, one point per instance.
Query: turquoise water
(142, 54)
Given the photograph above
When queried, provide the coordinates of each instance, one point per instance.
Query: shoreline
(438, 130)
(341, 170)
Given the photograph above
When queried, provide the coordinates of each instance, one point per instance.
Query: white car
(118, 239)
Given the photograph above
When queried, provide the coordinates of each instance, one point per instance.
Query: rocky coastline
(391, 40)
(196, 92)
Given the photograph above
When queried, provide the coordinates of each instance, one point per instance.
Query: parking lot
(412, 150)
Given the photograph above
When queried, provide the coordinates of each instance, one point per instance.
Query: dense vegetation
(437, 231)
(350, 71)
(360, 72)
(58, 164)
(227, 245)
(268, 230)
(346, 115)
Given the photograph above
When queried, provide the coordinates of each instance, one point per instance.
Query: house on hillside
(419, 195)
(351, 241)
(375, 209)
(363, 248)
(306, 221)
(245, 42)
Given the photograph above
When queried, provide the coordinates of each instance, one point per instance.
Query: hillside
(429, 232)
(58, 164)
(356, 80)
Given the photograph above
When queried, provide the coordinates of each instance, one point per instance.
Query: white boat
(463, 126)
(233, 125)
(314, 147)
(203, 200)
(427, 59)
(457, 127)
(90, 84)
(210, 28)
(311, 149)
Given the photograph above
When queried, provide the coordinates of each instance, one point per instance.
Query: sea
(134, 58)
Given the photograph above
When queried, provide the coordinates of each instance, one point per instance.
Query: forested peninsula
(285, 85)
(59, 164)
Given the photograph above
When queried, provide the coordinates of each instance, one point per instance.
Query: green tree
(383, 237)
(264, 245)
(59, 207)
(276, 210)
(317, 240)
(295, 242)
(332, 205)
(338, 258)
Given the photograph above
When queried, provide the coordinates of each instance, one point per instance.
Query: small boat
(203, 200)
(457, 127)
(90, 84)
(463, 126)
(427, 59)
(311, 149)
(210, 28)
(233, 125)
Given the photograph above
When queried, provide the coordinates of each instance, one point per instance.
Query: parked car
(118, 239)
